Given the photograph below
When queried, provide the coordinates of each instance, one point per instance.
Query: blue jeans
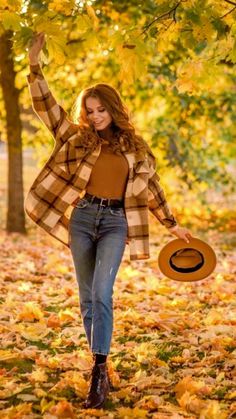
(98, 237)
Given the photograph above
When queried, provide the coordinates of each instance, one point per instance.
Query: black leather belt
(105, 201)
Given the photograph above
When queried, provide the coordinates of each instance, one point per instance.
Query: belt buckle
(103, 199)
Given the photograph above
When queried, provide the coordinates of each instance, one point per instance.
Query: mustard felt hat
(187, 261)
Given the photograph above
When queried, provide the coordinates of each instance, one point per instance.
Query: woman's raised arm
(43, 101)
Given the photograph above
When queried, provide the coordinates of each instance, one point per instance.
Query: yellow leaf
(22, 410)
(12, 388)
(128, 412)
(45, 405)
(149, 402)
(164, 41)
(187, 384)
(231, 395)
(10, 20)
(67, 315)
(72, 379)
(113, 374)
(131, 65)
(93, 16)
(213, 317)
(144, 351)
(152, 380)
(63, 409)
(33, 332)
(83, 24)
(30, 312)
(38, 375)
(191, 402)
(213, 410)
(6, 355)
(204, 31)
(91, 413)
(57, 343)
(50, 29)
(12, 6)
(40, 393)
(56, 48)
(178, 359)
(62, 6)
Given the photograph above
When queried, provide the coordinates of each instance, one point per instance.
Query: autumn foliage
(174, 344)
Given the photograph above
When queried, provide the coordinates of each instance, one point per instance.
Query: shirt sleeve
(157, 203)
(43, 101)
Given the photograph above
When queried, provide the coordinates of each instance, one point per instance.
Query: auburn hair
(121, 124)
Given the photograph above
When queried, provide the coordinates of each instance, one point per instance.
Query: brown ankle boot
(99, 387)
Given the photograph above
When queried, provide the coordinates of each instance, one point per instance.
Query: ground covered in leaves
(173, 352)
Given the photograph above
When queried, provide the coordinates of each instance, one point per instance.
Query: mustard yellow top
(109, 175)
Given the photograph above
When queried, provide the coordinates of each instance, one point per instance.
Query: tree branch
(163, 15)
(230, 11)
(75, 41)
(230, 2)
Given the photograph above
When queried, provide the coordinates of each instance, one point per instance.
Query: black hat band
(186, 270)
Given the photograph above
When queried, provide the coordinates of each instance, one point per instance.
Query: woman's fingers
(186, 239)
(188, 235)
(184, 234)
(37, 42)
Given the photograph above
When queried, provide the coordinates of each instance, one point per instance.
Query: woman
(103, 158)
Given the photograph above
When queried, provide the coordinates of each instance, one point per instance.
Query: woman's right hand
(181, 233)
(36, 45)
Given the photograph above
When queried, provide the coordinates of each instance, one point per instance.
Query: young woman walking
(93, 194)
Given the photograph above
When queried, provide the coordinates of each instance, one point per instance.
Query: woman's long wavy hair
(121, 123)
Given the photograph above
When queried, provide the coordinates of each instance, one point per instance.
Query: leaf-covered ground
(173, 352)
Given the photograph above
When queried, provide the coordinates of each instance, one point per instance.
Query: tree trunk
(15, 201)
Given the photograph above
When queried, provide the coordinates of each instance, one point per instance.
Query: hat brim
(177, 244)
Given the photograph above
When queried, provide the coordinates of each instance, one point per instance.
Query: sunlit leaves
(11, 5)
(56, 48)
(34, 332)
(65, 7)
(30, 312)
(92, 16)
(194, 76)
(159, 55)
(130, 52)
(167, 37)
(192, 24)
(10, 20)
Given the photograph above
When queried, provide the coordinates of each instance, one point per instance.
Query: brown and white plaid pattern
(64, 177)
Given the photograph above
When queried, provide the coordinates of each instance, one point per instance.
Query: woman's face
(97, 114)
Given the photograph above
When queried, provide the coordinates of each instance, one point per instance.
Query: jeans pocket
(118, 212)
(82, 203)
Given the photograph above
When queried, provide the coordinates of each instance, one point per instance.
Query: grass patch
(220, 393)
(22, 365)
(200, 354)
(167, 350)
(52, 309)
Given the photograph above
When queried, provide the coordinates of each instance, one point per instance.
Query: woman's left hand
(181, 233)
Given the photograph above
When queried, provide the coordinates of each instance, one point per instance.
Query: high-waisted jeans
(97, 242)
